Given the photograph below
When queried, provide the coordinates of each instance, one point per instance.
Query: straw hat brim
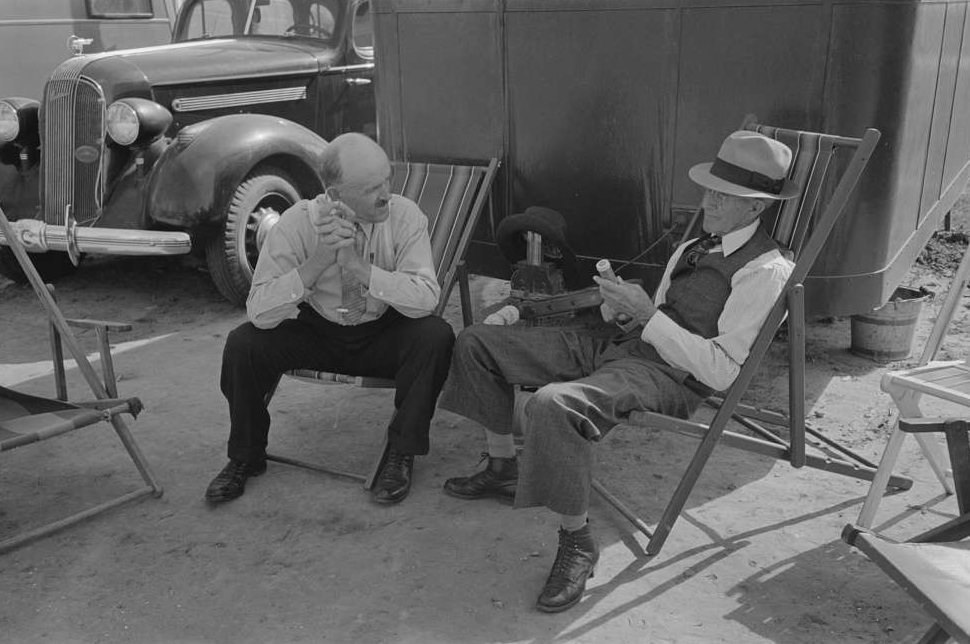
(701, 174)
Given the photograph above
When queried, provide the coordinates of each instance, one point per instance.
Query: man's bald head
(359, 172)
(348, 154)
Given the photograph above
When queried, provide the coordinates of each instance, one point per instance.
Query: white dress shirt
(398, 249)
(717, 361)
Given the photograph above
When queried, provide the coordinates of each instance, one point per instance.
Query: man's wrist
(309, 272)
(645, 314)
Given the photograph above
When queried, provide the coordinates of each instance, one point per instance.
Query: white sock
(573, 522)
(500, 445)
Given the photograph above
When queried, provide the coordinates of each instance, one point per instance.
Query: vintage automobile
(194, 146)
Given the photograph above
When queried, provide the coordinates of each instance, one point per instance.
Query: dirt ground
(304, 557)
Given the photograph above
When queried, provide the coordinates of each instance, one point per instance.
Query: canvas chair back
(452, 197)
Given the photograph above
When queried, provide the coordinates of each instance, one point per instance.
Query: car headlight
(18, 121)
(9, 123)
(136, 120)
(122, 123)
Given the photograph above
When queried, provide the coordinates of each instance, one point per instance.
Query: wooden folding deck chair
(26, 419)
(942, 380)
(802, 226)
(934, 567)
(453, 198)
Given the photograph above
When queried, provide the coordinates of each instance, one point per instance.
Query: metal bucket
(886, 333)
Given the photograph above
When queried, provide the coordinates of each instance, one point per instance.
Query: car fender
(194, 178)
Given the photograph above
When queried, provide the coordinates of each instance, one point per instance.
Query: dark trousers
(414, 352)
(587, 386)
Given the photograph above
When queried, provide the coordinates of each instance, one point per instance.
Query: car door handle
(357, 81)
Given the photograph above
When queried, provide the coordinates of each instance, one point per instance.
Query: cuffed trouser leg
(565, 418)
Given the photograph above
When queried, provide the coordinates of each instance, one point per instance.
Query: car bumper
(38, 236)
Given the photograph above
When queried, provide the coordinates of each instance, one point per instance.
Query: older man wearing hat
(690, 340)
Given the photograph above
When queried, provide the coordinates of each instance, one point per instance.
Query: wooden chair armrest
(925, 425)
(94, 324)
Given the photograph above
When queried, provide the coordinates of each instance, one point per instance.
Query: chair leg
(936, 635)
(378, 464)
(796, 376)
(30, 535)
(622, 508)
(881, 478)
(121, 428)
(107, 364)
(57, 353)
(464, 295)
(679, 499)
(907, 402)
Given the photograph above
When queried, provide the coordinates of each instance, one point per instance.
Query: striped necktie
(352, 299)
(700, 248)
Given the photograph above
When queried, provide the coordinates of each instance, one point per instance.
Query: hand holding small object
(331, 220)
(626, 299)
(605, 271)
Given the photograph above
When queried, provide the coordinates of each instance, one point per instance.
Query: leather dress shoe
(394, 482)
(575, 562)
(230, 483)
(498, 480)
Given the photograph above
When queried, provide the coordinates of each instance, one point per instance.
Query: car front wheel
(255, 206)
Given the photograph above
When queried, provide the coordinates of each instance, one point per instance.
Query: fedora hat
(748, 165)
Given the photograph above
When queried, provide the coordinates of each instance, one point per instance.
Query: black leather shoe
(498, 480)
(575, 562)
(394, 482)
(230, 483)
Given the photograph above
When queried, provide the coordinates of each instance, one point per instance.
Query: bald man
(345, 283)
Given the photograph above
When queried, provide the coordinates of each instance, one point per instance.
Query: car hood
(207, 61)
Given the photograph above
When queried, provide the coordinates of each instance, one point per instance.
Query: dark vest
(695, 300)
(696, 296)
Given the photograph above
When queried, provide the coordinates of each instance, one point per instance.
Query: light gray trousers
(587, 385)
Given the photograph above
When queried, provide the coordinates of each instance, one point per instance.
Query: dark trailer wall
(597, 108)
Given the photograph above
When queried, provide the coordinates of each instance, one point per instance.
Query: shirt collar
(738, 238)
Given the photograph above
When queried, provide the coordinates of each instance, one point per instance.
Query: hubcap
(258, 225)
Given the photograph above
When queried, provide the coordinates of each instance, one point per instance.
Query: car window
(272, 18)
(363, 31)
(119, 8)
(321, 16)
(210, 19)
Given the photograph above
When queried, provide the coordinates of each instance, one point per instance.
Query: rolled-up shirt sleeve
(717, 361)
(277, 289)
(412, 287)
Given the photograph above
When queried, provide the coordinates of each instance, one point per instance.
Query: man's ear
(758, 206)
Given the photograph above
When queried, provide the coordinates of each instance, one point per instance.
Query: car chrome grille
(73, 144)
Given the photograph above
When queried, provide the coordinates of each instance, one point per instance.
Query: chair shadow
(854, 599)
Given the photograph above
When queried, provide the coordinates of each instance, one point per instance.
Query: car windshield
(284, 18)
